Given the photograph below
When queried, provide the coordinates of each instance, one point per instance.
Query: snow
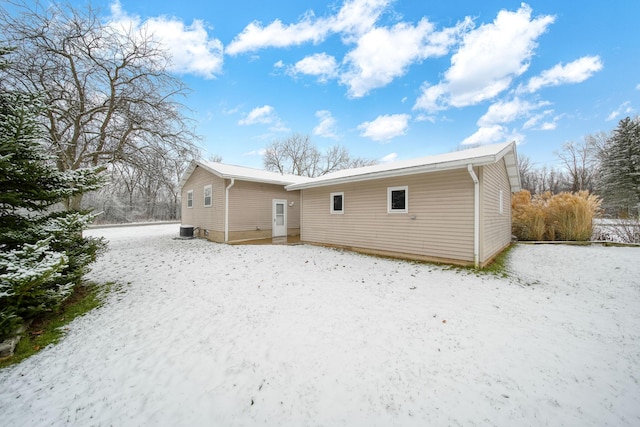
(206, 334)
(242, 173)
(483, 155)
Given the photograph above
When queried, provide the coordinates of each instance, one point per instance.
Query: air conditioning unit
(186, 231)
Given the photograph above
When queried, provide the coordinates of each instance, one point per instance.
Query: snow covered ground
(203, 334)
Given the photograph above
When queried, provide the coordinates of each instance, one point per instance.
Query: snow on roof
(242, 173)
(484, 155)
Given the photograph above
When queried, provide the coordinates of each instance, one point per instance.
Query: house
(226, 203)
(452, 208)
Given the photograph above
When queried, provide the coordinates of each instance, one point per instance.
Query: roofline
(413, 170)
(196, 163)
(511, 165)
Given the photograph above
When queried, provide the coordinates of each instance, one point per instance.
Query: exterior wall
(209, 220)
(495, 228)
(250, 209)
(441, 203)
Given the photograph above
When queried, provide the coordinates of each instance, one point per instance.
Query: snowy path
(204, 334)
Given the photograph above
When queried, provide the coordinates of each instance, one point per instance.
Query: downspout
(226, 209)
(476, 216)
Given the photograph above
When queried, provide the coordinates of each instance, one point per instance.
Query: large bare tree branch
(107, 86)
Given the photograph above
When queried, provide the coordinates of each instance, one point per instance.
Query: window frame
(190, 199)
(501, 201)
(210, 188)
(331, 203)
(390, 191)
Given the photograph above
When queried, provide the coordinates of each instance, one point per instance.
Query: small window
(190, 198)
(398, 199)
(501, 207)
(337, 203)
(208, 191)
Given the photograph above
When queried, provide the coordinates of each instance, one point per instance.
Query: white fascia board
(187, 174)
(253, 179)
(233, 176)
(413, 170)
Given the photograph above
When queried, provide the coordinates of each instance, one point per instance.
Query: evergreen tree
(620, 169)
(42, 252)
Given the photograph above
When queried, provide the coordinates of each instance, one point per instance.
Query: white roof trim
(480, 156)
(241, 173)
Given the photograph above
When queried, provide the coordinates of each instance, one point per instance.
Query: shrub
(43, 255)
(528, 217)
(564, 216)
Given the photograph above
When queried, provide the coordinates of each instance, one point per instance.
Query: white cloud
(259, 152)
(425, 118)
(574, 72)
(428, 99)
(624, 108)
(382, 54)
(638, 86)
(190, 48)
(385, 127)
(533, 121)
(279, 64)
(492, 134)
(389, 158)
(355, 17)
(230, 111)
(505, 112)
(327, 126)
(260, 115)
(490, 57)
(320, 64)
(549, 126)
(255, 36)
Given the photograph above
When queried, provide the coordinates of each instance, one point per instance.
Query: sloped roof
(480, 156)
(242, 173)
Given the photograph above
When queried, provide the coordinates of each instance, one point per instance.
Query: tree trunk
(73, 203)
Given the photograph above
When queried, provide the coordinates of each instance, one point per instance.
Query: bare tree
(143, 189)
(110, 93)
(548, 179)
(297, 155)
(581, 164)
(527, 174)
(598, 143)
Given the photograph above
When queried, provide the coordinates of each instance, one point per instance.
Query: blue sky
(398, 79)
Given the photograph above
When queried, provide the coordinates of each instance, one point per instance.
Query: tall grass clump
(564, 216)
(528, 216)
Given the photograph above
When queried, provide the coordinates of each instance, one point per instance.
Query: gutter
(476, 215)
(226, 209)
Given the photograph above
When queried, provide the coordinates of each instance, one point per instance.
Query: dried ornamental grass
(528, 217)
(564, 216)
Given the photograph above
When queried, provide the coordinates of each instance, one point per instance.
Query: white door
(279, 218)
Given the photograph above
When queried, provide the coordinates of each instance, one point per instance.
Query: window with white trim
(190, 198)
(398, 199)
(208, 195)
(501, 208)
(337, 203)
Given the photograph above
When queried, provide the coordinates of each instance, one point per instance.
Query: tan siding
(496, 228)
(442, 203)
(250, 207)
(205, 218)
